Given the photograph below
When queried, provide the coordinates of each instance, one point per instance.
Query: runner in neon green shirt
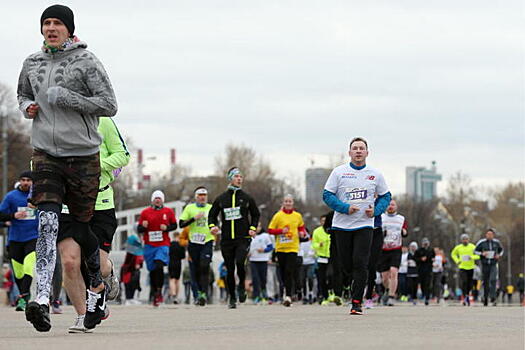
(200, 248)
(463, 255)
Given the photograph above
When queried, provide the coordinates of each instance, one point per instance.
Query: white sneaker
(287, 301)
(78, 326)
(113, 283)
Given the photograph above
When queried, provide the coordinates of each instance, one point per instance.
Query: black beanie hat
(27, 174)
(61, 12)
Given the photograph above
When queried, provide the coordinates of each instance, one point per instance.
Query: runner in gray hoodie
(64, 89)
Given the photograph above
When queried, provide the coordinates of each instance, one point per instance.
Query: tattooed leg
(46, 251)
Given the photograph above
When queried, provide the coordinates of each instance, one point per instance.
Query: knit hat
(157, 194)
(61, 12)
(464, 236)
(26, 174)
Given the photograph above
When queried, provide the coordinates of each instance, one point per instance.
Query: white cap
(157, 194)
(201, 191)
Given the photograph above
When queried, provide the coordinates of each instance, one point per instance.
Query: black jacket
(176, 251)
(424, 266)
(235, 207)
(484, 245)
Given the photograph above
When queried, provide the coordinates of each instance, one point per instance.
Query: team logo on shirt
(371, 178)
(348, 176)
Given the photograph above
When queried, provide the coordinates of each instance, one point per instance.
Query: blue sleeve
(335, 203)
(268, 248)
(382, 202)
(5, 206)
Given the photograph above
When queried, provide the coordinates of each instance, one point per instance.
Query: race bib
(284, 239)
(411, 263)
(202, 222)
(65, 209)
(355, 194)
(465, 257)
(198, 238)
(232, 213)
(322, 260)
(490, 254)
(156, 236)
(30, 213)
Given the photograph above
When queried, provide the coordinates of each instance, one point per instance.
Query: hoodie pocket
(87, 126)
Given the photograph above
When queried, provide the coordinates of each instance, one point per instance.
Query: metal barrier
(127, 220)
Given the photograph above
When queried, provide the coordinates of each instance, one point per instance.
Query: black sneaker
(356, 308)
(485, 302)
(95, 308)
(232, 304)
(38, 315)
(242, 294)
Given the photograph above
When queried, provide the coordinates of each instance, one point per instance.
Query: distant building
(421, 182)
(315, 181)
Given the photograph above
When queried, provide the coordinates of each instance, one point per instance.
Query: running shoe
(467, 300)
(95, 308)
(287, 301)
(369, 304)
(337, 300)
(55, 307)
(38, 315)
(112, 283)
(256, 300)
(390, 301)
(232, 304)
(384, 299)
(106, 313)
(325, 302)
(242, 294)
(485, 302)
(356, 308)
(201, 299)
(21, 304)
(157, 300)
(78, 326)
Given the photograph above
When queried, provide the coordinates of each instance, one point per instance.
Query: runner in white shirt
(394, 229)
(261, 249)
(350, 190)
(307, 271)
(402, 275)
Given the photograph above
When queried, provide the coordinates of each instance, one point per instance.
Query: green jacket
(464, 256)
(320, 236)
(113, 155)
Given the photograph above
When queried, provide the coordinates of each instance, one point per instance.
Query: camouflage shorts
(73, 181)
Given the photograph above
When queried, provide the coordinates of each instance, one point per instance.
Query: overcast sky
(421, 80)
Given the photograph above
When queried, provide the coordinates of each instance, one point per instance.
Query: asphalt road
(275, 327)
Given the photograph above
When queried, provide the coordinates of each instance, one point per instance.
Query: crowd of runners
(62, 219)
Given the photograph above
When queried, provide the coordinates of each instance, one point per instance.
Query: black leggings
(425, 279)
(19, 252)
(375, 254)
(287, 265)
(157, 277)
(322, 279)
(354, 251)
(234, 253)
(412, 283)
(201, 255)
(466, 281)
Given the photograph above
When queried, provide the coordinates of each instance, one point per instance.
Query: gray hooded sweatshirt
(72, 90)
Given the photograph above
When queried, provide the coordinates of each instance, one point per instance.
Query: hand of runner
(485, 253)
(353, 209)
(214, 230)
(302, 234)
(145, 223)
(496, 256)
(32, 110)
(199, 215)
(252, 233)
(20, 215)
(423, 258)
(260, 250)
(163, 227)
(370, 211)
(285, 230)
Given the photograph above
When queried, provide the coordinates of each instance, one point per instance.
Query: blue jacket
(20, 230)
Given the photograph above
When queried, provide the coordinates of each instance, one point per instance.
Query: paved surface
(276, 327)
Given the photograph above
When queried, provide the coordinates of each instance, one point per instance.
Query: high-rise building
(315, 181)
(421, 182)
